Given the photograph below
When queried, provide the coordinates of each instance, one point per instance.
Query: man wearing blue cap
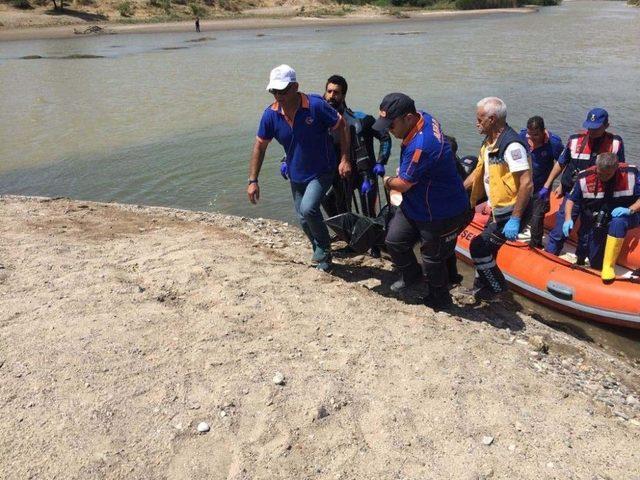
(579, 154)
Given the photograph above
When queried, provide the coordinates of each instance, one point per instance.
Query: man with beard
(366, 169)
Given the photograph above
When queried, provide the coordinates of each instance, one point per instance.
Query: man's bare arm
(524, 192)
(555, 172)
(468, 182)
(344, 168)
(397, 183)
(568, 208)
(257, 157)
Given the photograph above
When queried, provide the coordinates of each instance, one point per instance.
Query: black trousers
(437, 244)
(483, 250)
(536, 220)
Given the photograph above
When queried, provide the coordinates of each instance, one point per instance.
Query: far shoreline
(249, 23)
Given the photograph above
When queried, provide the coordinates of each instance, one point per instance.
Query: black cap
(393, 105)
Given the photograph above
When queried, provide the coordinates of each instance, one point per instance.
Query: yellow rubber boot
(611, 251)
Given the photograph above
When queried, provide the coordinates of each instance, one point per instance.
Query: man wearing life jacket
(434, 204)
(503, 174)
(579, 154)
(301, 124)
(364, 165)
(544, 149)
(608, 197)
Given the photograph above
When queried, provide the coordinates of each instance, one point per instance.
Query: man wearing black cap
(579, 154)
(434, 203)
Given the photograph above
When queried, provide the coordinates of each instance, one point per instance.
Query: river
(169, 119)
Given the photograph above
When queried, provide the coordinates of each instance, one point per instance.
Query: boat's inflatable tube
(562, 285)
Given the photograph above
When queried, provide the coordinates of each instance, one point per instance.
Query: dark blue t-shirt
(542, 157)
(306, 141)
(426, 161)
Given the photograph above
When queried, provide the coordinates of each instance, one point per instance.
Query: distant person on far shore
(544, 148)
(302, 124)
(198, 24)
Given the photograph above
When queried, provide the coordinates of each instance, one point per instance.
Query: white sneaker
(525, 235)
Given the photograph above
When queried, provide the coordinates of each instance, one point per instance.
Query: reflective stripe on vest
(624, 187)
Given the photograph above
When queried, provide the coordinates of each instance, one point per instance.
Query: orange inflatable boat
(559, 283)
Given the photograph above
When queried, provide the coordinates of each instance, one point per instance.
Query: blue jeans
(556, 238)
(306, 200)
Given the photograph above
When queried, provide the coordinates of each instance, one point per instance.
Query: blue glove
(543, 193)
(621, 212)
(566, 227)
(366, 186)
(284, 170)
(378, 169)
(512, 228)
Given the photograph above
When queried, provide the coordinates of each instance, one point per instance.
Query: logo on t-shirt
(308, 120)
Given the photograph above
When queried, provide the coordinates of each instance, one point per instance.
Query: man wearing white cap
(301, 124)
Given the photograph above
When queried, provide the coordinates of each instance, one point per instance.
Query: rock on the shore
(203, 427)
(487, 440)
(322, 412)
(278, 378)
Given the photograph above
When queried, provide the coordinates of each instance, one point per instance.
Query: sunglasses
(284, 91)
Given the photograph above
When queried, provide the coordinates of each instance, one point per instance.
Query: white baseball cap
(280, 77)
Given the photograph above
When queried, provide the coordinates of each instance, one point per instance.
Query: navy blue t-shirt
(542, 157)
(306, 141)
(426, 161)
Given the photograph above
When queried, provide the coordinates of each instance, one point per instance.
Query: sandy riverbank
(47, 31)
(123, 327)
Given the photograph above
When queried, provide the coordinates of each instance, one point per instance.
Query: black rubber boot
(438, 299)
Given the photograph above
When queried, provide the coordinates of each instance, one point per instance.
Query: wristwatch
(253, 181)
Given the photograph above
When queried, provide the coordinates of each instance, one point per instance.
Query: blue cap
(596, 118)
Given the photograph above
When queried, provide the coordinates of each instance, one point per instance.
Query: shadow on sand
(501, 316)
(89, 17)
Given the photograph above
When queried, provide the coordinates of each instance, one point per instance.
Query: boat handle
(559, 290)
